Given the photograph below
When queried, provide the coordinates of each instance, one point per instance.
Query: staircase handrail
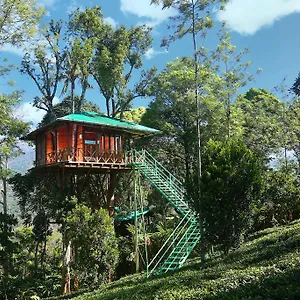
(140, 156)
(183, 236)
(149, 158)
(166, 176)
(162, 167)
(166, 242)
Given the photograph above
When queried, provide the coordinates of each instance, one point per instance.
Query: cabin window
(97, 143)
(90, 142)
(89, 148)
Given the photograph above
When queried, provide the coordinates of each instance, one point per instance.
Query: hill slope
(266, 267)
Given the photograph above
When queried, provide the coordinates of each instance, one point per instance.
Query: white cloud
(28, 113)
(150, 53)
(249, 16)
(111, 22)
(73, 6)
(12, 49)
(37, 39)
(55, 100)
(154, 14)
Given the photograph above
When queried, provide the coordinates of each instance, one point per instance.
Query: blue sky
(269, 28)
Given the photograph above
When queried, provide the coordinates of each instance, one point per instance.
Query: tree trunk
(199, 158)
(43, 255)
(4, 169)
(72, 96)
(66, 276)
(112, 182)
(36, 255)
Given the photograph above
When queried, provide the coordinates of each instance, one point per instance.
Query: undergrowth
(265, 267)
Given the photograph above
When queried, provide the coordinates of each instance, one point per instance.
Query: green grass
(265, 267)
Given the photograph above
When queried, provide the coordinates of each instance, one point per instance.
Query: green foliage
(266, 267)
(37, 193)
(7, 244)
(18, 256)
(133, 115)
(293, 129)
(93, 237)
(228, 187)
(11, 127)
(65, 107)
(116, 54)
(18, 20)
(173, 111)
(258, 114)
(44, 66)
(279, 199)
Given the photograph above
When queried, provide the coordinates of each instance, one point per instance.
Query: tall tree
(258, 121)
(293, 124)
(230, 183)
(77, 67)
(11, 129)
(118, 53)
(232, 69)
(173, 111)
(294, 116)
(193, 19)
(44, 66)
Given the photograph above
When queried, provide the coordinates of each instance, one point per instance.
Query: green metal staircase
(186, 235)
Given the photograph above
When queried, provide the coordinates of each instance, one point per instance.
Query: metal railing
(168, 245)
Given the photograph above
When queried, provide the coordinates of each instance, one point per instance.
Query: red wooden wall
(74, 141)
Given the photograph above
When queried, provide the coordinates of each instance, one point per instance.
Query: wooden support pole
(136, 242)
(112, 182)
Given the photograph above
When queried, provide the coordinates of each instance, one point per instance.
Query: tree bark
(112, 182)
(199, 158)
(66, 275)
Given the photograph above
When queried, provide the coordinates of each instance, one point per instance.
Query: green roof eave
(100, 120)
(95, 119)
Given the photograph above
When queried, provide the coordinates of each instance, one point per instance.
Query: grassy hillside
(266, 267)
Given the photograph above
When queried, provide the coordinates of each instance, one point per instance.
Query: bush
(265, 267)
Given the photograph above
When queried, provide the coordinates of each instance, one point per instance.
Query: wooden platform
(83, 167)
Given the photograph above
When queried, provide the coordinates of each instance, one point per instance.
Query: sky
(269, 28)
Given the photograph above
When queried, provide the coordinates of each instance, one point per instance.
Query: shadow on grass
(279, 287)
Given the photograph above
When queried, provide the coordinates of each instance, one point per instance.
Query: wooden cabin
(85, 139)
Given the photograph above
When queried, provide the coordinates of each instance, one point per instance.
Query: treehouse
(85, 140)
(85, 143)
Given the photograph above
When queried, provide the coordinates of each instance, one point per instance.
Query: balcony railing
(81, 155)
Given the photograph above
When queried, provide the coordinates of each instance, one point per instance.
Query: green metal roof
(131, 216)
(97, 119)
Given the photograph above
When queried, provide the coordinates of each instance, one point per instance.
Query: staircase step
(167, 263)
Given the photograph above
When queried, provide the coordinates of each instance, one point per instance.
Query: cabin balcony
(83, 158)
(80, 155)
